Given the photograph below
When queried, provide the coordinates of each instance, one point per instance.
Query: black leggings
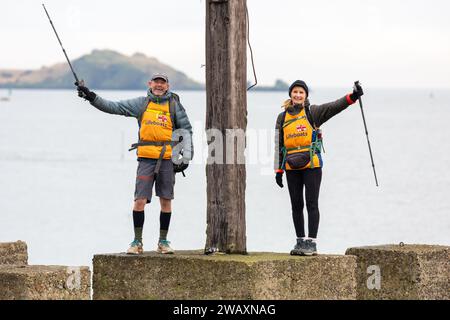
(310, 178)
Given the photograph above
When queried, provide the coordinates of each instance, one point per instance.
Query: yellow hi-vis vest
(156, 126)
(298, 137)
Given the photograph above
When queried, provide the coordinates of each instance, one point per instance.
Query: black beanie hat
(299, 83)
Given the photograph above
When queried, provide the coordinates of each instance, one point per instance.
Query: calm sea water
(67, 180)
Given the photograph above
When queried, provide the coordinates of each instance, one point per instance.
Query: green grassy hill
(101, 69)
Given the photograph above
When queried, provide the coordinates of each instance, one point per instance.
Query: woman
(298, 143)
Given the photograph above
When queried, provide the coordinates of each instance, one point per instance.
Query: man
(165, 134)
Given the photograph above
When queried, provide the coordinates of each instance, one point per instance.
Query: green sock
(163, 234)
(138, 221)
(138, 234)
(164, 220)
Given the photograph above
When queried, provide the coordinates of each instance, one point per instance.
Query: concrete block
(402, 272)
(13, 253)
(192, 275)
(44, 283)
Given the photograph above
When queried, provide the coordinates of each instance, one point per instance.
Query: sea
(67, 178)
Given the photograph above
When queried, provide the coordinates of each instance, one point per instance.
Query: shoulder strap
(173, 107)
(282, 119)
(144, 107)
(176, 97)
(310, 117)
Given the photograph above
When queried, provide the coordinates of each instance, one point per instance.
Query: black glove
(279, 179)
(180, 167)
(84, 92)
(357, 92)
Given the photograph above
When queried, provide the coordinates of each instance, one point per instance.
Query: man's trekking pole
(77, 82)
(367, 135)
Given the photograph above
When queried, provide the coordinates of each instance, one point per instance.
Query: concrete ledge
(192, 275)
(13, 253)
(403, 272)
(44, 283)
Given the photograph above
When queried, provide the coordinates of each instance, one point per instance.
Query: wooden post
(226, 98)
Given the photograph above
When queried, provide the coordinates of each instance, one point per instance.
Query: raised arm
(128, 108)
(324, 112)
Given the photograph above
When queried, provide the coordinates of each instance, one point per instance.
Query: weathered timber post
(226, 98)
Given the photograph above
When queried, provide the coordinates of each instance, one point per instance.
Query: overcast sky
(383, 43)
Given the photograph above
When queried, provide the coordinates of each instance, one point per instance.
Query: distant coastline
(259, 89)
(107, 70)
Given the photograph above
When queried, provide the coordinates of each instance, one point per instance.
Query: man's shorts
(145, 178)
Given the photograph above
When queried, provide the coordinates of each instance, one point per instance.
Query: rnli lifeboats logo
(160, 121)
(301, 128)
(162, 118)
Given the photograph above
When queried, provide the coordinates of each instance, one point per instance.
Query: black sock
(138, 220)
(164, 220)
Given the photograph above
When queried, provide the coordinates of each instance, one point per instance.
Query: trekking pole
(367, 135)
(77, 82)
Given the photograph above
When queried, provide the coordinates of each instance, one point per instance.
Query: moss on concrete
(44, 283)
(407, 272)
(13, 253)
(192, 275)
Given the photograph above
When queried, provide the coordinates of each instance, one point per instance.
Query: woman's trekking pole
(367, 135)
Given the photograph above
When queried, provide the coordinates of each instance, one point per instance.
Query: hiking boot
(298, 249)
(164, 247)
(310, 248)
(136, 247)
